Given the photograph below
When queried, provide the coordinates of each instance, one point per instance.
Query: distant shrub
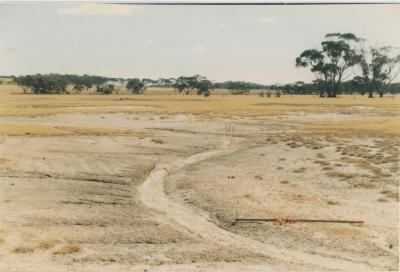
(278, 93)
(269, 94)
(262, 94)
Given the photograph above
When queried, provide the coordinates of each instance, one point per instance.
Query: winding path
(152, 194)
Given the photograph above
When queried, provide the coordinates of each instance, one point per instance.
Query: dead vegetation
(68, 249)
(24, 249)
(42, 245)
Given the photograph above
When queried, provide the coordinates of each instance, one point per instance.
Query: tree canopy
(330, 63)
(43, 84)
(136, 85)
(186, 84)
(379, 66)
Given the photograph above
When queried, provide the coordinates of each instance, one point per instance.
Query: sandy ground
(159, 192)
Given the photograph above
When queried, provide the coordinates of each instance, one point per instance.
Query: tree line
(57, 84)
(341, 55)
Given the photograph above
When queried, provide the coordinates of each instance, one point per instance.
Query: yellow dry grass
(164, 101)
(40, 130)
(389, 126)
(14, 103)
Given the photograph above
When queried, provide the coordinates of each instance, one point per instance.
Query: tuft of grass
(391, 194)
(258, 177)
(158, 141)
(284, 182)
(46, 244)
(341, 175)
(381, 199)
(332, 202)
(24, 249)
(300, 170)
(68, 249)
(321, 162)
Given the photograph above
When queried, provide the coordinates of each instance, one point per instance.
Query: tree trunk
(370, 94)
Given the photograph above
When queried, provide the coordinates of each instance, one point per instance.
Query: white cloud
(98, 9)
(198, 48)
(223, 26)
(151, 41)
(267, 20)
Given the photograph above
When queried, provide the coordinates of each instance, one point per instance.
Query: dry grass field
(153, 182)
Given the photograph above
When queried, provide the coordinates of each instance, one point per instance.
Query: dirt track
(152, 194)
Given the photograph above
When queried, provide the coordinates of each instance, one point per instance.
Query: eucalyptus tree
(379, 67)
(186, 84)
(338, 54)
(203, 87)
(136, 85)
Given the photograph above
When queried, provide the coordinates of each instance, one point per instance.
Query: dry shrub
(68, 249)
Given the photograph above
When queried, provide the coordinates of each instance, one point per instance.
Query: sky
(251, 43)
